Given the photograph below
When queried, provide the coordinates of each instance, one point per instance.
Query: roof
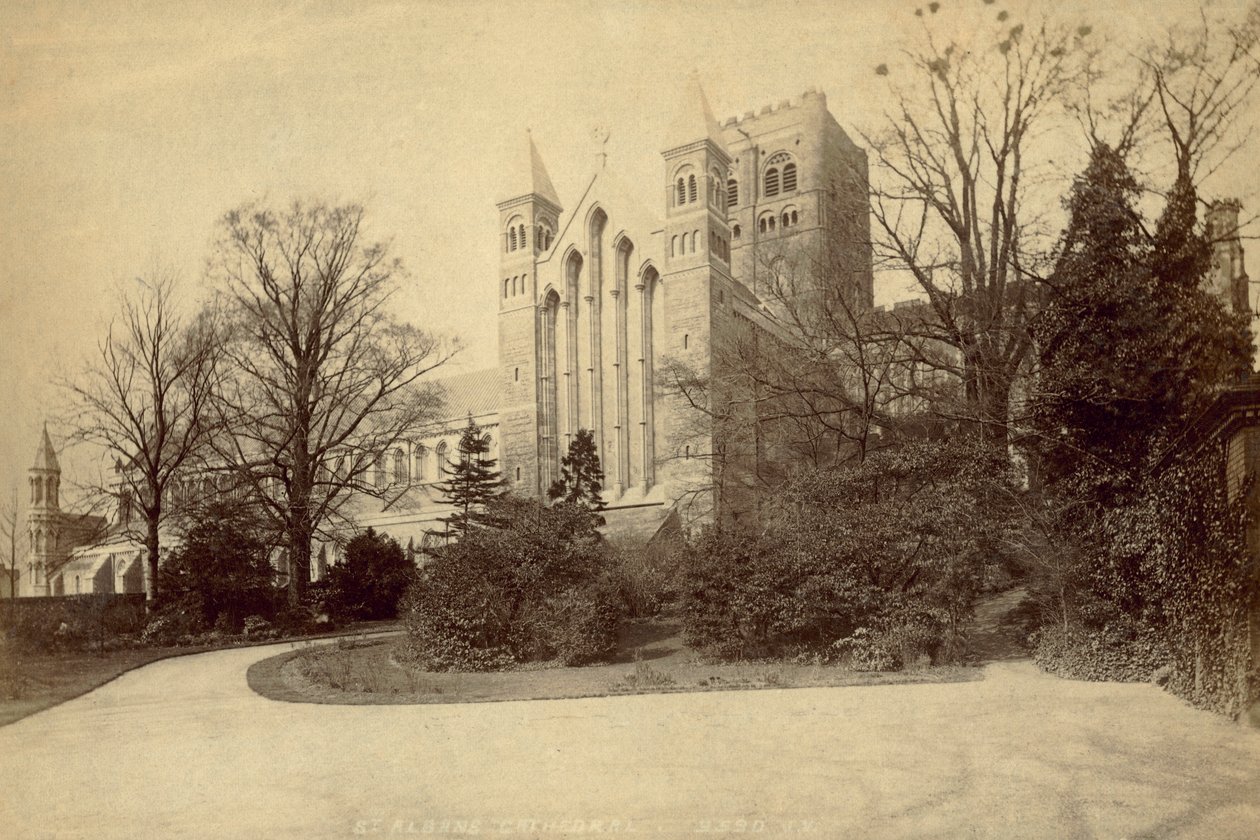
(473, 393)
(528, 175)
(693, 121)
(46, 456)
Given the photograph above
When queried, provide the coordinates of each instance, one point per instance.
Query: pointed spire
(528, 175)
(694, 120)
(46, 457)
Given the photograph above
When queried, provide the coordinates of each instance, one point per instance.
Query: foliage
(472, 483)
(530, 589)
(893, 545)
(1131, 346)
(645, 581)
(70, 623)
(1120, 652)
(221, 569)
(581, 479)
(373, 577)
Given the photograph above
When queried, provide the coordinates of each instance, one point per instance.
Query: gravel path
(183, 748)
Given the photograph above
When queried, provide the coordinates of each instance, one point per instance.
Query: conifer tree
(472, 483)
(581, 477)
(1130, 344)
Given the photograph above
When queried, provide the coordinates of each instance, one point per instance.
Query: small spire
(694, 119)
(46, 456)
(528, 175)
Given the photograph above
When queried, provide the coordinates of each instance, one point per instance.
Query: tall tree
(326, 378)
(472, 482)
(953, 207)
(9, 533)
(581, 479)
(1132, 345)
(146, 400)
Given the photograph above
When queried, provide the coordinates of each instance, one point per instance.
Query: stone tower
(43, 517)
(798, 191)
(528, 223)
(1229, 274)
(697, 281)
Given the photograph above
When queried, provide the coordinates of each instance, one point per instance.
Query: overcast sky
(127, 129)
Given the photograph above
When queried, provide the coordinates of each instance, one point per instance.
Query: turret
(529, 217)
(43, 517)
(697, 167)
(1229, 274)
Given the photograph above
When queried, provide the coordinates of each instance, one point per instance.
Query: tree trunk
(151, 545)
(300, 536)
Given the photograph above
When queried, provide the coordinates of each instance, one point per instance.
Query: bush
(222, 568)
(1119, 652)
(531, 590)
(176, 622)
(70, 623)
(646, 583)
(369, 584)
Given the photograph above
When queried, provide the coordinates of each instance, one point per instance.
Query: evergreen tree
(1130, 343)
(581, 478)
(472, 482)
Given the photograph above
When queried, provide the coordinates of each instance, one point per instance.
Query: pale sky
(127, 129)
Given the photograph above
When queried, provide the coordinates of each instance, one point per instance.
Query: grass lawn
(31, 683)
(653, 659)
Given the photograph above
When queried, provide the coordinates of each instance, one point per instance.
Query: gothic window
(400, 467)
(380, 471)
(421, 454)
(789, 177)
(691, 188)
(732, 193)
(440, 456)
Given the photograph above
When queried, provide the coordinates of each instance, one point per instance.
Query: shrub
(71, 623)
(176, 622)
(866, 650)
(646, 582)
(371, 580)
(1119, 652)
(532, 589)
(222, 568)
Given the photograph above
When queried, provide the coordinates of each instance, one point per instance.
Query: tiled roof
(475, 393)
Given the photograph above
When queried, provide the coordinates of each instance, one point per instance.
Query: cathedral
(598, 297)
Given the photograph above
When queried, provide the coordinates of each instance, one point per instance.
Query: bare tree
(958, 159)
(145, 400)
(9, 532)
(325, 378)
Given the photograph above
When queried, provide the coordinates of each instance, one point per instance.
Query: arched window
(518, 473)
(673, 246)
(770, 222)
(794, 218)
(732, 193)
(524, 241)
(684, 243)
(779, 164)
(421, 454)
(682, 191)
(695, 237)
(380, 471)
(400, 467)
(735, 231)
(439, 453)
(691, 188)
(512, 238)
(505, 288)
(786, 220)
(77, 585)
(772, 182)
(762, 225)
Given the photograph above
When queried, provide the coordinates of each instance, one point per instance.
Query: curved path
(183, 748)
